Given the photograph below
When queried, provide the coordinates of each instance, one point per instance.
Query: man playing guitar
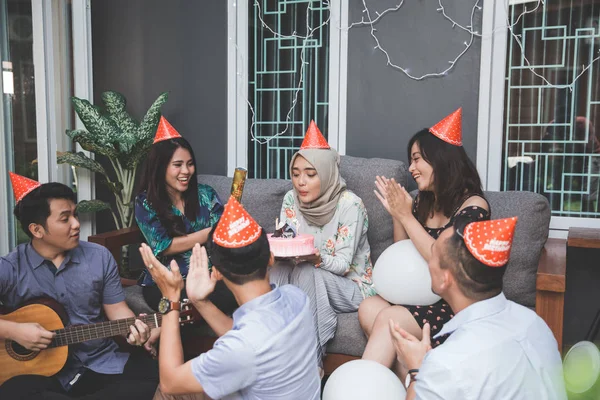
(82, 277)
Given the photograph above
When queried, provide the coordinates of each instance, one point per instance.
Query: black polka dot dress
(439, 313)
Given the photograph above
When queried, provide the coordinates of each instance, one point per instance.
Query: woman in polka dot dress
(449, 185)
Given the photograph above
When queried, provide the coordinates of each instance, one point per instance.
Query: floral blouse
(342, 242)
(156, 234)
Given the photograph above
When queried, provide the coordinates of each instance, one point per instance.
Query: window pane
(275, 71)
(20, 117)
(551, 133)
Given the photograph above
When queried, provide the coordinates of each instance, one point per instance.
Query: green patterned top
(156, 234)
(342, 242)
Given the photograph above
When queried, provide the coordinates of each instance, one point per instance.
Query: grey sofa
(262, 198)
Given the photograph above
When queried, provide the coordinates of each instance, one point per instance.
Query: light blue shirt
(270, 353)
(498, 350)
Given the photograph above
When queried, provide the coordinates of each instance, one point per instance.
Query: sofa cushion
(349, 337)
(530, 237)
(360, 176)
(261, 197)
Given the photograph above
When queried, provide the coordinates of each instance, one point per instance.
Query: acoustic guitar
(17, 360)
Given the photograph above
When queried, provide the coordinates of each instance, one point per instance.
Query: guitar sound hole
(18, 352)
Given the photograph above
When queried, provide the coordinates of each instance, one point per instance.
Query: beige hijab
(327, 164)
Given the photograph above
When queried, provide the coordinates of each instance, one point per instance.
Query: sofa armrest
(115, 240)
(550, 286)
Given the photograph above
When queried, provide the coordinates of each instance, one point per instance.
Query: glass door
(18, 111)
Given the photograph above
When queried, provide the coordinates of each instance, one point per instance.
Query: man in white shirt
(497, 349)
(267, 351)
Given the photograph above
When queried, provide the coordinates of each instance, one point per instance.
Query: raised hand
(381, 183)
(32, 336)
(399, 200)
(200, 281)
(170, 282)
(410, 351)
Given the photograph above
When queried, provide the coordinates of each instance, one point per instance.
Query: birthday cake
(286, 242)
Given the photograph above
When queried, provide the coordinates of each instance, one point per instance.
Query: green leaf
(115, 187)
(104, 131)
(88, 142)
(138, 153)
(115, 104)
(147, 128)
(80, 160)
(91, 206)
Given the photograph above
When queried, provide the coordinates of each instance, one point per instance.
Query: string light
(369, 21)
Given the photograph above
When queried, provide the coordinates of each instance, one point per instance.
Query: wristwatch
(165, 305)
(411, 377)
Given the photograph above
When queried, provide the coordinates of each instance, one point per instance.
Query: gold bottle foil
(237, 186)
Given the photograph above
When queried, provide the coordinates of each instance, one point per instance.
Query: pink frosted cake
(301, 245)
(285, 242)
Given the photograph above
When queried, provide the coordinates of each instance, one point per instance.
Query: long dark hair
(454, 175)
(154, 184)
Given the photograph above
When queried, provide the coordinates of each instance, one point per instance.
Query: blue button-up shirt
(498, 350)
(270, 353)
(87, 278)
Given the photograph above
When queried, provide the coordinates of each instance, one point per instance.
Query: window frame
(490, 124)
(237, 81)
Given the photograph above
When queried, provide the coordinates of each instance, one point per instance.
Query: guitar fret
(81, 333)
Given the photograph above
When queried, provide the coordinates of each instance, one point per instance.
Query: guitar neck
(82, 333)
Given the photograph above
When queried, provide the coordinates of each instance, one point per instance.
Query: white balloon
(401, 276)
(363, 379)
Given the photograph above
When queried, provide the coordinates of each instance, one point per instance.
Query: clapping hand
(200, 281)
(394, 198)
(410, 351)
(170, 282)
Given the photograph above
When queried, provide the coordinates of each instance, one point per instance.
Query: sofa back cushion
(262, 197)
(530, 237)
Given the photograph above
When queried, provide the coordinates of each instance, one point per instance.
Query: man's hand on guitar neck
(31, 335)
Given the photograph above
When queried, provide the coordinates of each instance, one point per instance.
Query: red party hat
(236, 228)
(165, 131)
(314, 138)
(490, 241)
(22, 186)
(450, 128)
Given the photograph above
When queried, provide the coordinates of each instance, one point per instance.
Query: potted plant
(113, 133)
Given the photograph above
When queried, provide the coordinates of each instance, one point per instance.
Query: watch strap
(175, 305)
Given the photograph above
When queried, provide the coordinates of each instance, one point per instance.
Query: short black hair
(242, 264)
(475, 279)
(35, 206)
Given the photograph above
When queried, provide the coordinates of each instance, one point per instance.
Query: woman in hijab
(338, 277)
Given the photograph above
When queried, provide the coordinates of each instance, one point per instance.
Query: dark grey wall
(385, 108)
(144, 47)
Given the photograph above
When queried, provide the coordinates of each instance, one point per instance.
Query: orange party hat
(165, 131)
(314, 138)
(490, 241)
(450, 128)
(22, 186)
(236, 228)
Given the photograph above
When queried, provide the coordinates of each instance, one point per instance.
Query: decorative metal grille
(551, 137)
(285, 95)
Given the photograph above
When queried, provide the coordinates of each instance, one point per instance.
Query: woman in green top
(174, 211)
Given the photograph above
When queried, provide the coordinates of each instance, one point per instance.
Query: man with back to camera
(267, 350)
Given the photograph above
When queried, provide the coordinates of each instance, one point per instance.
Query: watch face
(163, 305)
